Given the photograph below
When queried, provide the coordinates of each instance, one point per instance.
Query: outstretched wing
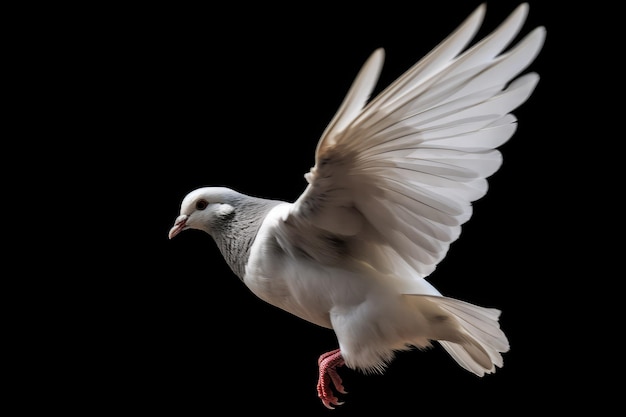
(397, 176)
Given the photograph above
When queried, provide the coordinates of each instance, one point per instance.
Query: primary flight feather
(393, 182)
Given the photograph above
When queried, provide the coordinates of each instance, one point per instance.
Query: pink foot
(328, 362)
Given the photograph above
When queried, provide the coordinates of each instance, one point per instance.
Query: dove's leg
(328, 362)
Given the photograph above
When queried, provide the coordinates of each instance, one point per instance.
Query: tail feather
(482, 341)
(466, 360)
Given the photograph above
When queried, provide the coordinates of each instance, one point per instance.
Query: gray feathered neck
(234, 234)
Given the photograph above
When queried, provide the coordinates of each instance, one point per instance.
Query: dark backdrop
(164, 99)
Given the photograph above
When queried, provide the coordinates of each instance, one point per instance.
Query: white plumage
(393, 182)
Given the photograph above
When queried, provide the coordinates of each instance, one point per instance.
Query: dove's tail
(483, 341)
(474, 339)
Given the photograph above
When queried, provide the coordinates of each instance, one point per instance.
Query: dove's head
(205, 208)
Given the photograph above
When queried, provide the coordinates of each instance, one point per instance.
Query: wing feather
(357, 96)
(432, 63)
(400, 173)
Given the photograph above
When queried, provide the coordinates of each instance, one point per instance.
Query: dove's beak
(179, 225)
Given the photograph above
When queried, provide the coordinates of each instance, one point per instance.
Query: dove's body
(366, 308)
(326, 279)
(290, 276)
(393, 181)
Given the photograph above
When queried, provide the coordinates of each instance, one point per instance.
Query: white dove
(393, 181)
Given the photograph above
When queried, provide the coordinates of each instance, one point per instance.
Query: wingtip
(379, 54)
(541, 31)
(480, 11)
(522, 9)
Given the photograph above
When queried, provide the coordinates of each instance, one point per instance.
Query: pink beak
(179, 225)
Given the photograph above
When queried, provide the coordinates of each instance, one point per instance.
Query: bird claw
(328, 374)
(333, 400)
(324, 392)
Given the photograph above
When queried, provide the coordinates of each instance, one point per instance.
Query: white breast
(295, 283)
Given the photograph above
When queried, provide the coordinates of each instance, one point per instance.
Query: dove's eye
(201, 204)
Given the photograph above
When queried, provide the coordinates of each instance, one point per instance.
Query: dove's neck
(235, 236)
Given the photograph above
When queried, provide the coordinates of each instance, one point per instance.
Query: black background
(150, 103)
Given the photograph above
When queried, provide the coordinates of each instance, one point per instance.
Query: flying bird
(393, 181)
